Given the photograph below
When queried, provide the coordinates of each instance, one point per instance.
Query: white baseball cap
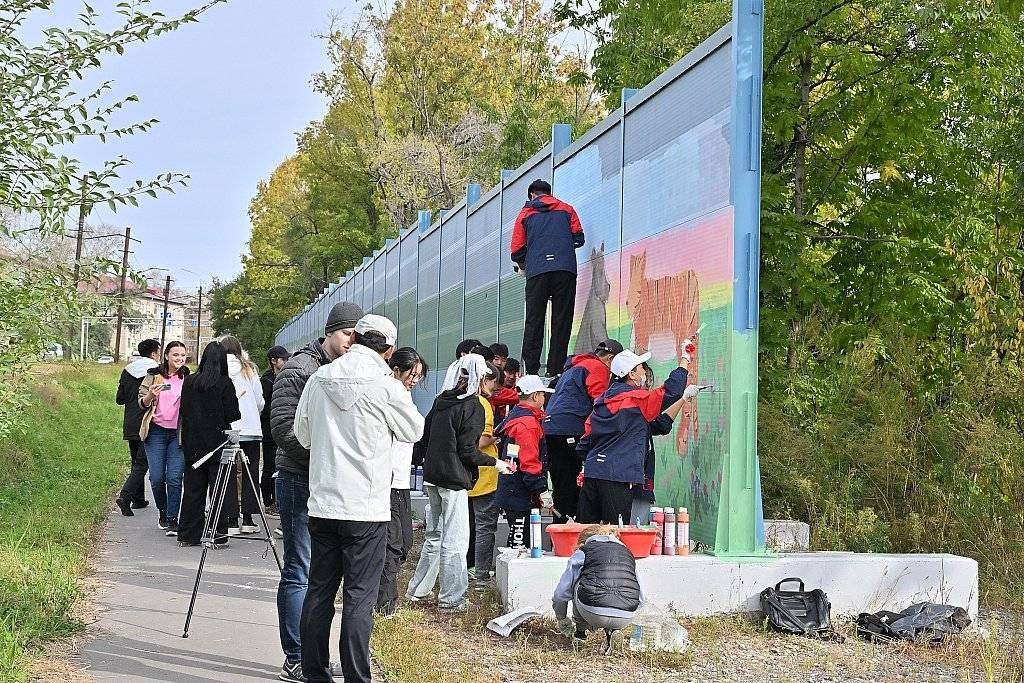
(626, 361)
(529, 384)
(380, 324)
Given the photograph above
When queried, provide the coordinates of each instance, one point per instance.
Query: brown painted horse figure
(666, 304)
(594, 324)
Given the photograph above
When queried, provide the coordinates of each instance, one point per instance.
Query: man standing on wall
(544, 243)
(291, 490)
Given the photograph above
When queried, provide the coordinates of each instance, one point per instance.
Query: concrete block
(787, 535)
(701, 585)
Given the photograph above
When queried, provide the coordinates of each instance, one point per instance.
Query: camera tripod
(229, 457)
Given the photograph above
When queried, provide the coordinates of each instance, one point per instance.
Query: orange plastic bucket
(564, 537)
(638, 540)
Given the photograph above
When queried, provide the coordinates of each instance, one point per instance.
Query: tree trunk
(799, 195)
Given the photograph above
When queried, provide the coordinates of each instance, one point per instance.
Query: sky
(231, 92)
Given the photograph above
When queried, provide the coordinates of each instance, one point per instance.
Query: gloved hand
(566, 627)
(505, 466)
(691, 392)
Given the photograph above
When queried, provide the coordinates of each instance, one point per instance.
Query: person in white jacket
(246, 378)
(349, 416)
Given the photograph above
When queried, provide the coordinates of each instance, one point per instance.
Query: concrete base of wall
(787, 536)
(701, 585)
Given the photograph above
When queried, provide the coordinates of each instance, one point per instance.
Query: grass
(56, 479)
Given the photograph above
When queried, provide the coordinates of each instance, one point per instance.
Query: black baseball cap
(609, 346)
(278, 352)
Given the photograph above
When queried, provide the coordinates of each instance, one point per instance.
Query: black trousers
(564, 465)
(471, 553)
(353, 551)
(250, 503)
(558, 287)
(604, 502)
(398, 546)
(269, 467)
(197, 485)
(518, 528)
(134, 489)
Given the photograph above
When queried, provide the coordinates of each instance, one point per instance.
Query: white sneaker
(278, 532)
(249, 528)
(234, 531)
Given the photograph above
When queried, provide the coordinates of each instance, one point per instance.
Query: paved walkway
(146, 585)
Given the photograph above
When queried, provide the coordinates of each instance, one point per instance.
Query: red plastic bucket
(564, 537)
(638, 540)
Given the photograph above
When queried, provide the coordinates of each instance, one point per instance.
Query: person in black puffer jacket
(600, 580)
(451, 458)
(133, 493)
(291, 487)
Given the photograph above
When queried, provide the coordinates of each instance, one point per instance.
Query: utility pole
(120, 295)
(199, 321)
(79, 240)
(167, 296)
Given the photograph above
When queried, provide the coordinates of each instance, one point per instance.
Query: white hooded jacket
(351, 412)
(249, 391)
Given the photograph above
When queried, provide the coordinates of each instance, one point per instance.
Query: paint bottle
(658, 517)
(669, 547)
(683, 532)
(419, 478)
(412, 477)
(535, 540)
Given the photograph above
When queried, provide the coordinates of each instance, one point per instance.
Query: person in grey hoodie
(133, 493)
(292, 486)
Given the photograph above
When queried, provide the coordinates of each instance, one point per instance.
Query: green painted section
(449, 331)
(512, 313)
(407, 319)
(426, 330)
(740, 525)
(482, 314)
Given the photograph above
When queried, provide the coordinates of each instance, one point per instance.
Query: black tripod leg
(209, 534)
(263, 516)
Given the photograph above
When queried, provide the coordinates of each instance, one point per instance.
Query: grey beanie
(343, 314)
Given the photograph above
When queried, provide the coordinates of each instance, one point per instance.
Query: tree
(42, 114)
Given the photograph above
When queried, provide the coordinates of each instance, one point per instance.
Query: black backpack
(801, 612)
(925, 621)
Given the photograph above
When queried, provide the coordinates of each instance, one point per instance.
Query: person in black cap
(277, 356)
(586, 377)
(291, 488)
(545, 238)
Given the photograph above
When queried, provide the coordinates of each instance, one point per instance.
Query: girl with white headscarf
(450, 454)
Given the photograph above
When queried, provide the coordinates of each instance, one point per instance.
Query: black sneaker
(387, 610)
(125, 509)
(292, 671)
(139, 504)
(163, 522)
(189, 544)
(172, 528)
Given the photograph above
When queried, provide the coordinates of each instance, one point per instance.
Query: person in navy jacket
(585, 378)
(546, 236)
(522, 441)
(617, 435)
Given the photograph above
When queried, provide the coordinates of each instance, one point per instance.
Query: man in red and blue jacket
(585, 378)
(546, 236)
(522, 441)
(617, 434)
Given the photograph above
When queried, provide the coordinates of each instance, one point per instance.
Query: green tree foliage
(423, 99)
(43, 113)
(892, 266)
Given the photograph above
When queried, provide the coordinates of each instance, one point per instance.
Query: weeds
(55, 483)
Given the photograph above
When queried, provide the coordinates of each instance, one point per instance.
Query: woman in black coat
(208, 407)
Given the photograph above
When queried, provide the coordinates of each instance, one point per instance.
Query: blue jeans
(166, 468)
(292, 493)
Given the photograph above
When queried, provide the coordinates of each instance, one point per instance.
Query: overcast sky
(231, 92)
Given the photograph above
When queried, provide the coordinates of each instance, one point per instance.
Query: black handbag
(801, 612)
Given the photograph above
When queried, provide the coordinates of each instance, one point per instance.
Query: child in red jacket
(523, 443)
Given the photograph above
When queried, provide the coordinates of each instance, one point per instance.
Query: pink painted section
(704, 246)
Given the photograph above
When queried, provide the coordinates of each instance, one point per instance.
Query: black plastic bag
(924, 621)
(801, 612)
